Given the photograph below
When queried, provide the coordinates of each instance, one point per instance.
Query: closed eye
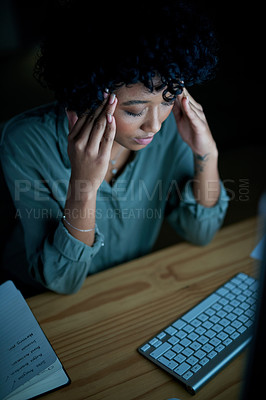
(134, 114)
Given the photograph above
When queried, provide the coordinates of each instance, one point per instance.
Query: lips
(144, 141)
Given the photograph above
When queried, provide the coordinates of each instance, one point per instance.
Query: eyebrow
(131, 102)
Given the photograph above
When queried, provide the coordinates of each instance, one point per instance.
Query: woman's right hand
(90, 142)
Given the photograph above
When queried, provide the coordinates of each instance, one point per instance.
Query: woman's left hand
(192, 125)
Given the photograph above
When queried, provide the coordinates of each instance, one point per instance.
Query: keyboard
(200, 343)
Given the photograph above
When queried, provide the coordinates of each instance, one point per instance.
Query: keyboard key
(203, 317)
(182, 368)
(192, 360)
(227, 342)
(170, 330)
(160, 350)
(230, 330)
(180, 358)
(219, 348)
(217, 328)
(200, 354)
(181, 334)
(235, 335)
(207, 347)
(187, 375)
(193, 336)
(204, 305)
(224, 322)
(245, 306)
(173, 340)
(195, 346)
(145, 347)
(185, 342)
(170, 354)
(248, 323)
(172, 365)
(236, 324)
(200, 330)
(161, 335)
(204, 361)
(187, 352)
(242, 276)
(179, 324)
(207, 324)
(169, 364)
(229, 286)
(212, 354)
(243, 318)
(210, 333)
(196, 368)
(221, 314)
(217, 307)
(177, 348)
(203, 339)
(230, 296)
(228, 308)
(222, 335)
(222, 291)
(214, 341)
(196, 323)
(214, 319)
(188, 328)
(231, 316)
(210, 312)
(238, 311)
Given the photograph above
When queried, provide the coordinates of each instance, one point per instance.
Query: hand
(193, 126)
(90, 142)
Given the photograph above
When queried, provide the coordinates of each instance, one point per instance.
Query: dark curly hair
(86, 50)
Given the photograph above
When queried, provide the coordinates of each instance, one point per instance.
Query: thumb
(72, 119)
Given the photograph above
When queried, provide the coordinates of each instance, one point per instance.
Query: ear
(72, 119)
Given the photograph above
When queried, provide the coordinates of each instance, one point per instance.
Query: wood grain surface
(96, 332)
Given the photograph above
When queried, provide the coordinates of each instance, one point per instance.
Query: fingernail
(109, 118)
(106, 93)
(112, 98)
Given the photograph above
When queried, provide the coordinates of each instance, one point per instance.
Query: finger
(108, 139)
(72, 119)
(75, 123)
(189, 110)
(82, 129)
(101, 124)
(192, 100)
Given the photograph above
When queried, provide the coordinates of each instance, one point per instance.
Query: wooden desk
(96, 332)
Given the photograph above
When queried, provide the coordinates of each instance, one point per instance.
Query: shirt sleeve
(193, 221)
(55, 258)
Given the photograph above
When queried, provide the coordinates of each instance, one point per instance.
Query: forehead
(138, 91)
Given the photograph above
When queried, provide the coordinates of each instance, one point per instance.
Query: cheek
(125, 126)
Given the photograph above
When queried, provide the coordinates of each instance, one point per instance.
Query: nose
(152, 123)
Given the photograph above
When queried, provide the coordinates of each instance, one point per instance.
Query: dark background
(232, 101)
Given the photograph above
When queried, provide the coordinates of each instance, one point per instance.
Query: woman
(93, 175)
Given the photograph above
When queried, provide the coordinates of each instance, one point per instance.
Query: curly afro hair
(85, 50)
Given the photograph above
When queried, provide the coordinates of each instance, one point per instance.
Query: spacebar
(200, 307)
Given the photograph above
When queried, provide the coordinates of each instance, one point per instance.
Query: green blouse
(157, 183)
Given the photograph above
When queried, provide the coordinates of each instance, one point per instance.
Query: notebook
(29, 366)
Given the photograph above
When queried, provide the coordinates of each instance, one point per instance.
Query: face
(139, 115)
